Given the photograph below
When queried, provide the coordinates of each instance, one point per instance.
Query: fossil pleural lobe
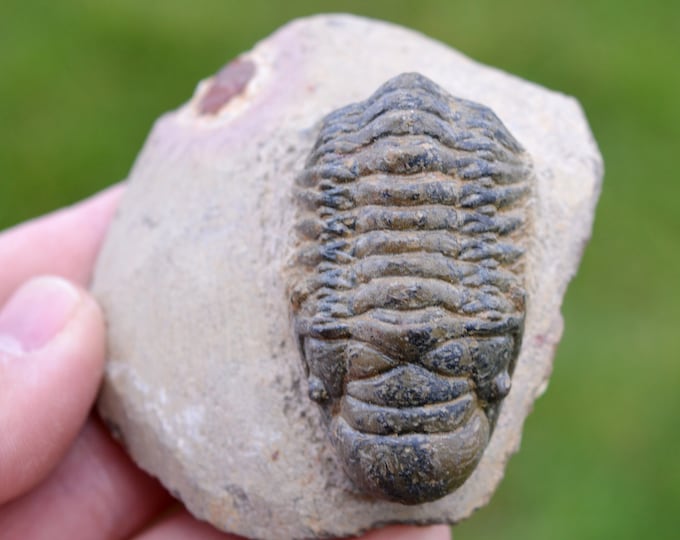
(407, 286)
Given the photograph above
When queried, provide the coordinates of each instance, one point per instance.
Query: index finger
(63, 243)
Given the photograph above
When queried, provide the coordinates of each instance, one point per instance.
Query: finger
(51, 362)
(181, 526)
(96, 492)
(64, 243)
(409, 532)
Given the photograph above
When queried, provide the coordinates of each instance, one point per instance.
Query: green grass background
(82, 81)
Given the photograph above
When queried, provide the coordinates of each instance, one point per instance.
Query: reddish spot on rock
(229, 82)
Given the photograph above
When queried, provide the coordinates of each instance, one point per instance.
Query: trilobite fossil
(407, 289)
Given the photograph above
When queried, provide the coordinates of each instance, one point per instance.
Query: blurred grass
(82, 81)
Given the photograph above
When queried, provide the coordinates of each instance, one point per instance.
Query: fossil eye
(317, 390)
(502, 384)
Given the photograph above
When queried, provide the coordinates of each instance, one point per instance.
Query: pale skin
(61, 474)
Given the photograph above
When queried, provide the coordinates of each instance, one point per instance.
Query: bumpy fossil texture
(408, 285)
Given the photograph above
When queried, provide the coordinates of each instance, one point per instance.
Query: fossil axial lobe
(407, 284)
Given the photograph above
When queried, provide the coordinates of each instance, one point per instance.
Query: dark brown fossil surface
(407, 290)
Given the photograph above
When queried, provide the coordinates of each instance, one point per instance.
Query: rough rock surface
(204, 383)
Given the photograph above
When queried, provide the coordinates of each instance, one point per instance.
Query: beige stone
(204, 384)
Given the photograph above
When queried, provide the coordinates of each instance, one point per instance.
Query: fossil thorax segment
(408, 291)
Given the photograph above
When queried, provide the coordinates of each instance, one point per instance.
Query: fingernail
(36, 313)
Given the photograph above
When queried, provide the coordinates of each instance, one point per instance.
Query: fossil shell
(408, 293)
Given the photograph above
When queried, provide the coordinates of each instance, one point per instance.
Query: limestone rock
(204, 383)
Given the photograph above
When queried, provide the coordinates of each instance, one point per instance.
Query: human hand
(61, 474)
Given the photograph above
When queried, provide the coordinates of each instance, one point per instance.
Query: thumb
(51, 360)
